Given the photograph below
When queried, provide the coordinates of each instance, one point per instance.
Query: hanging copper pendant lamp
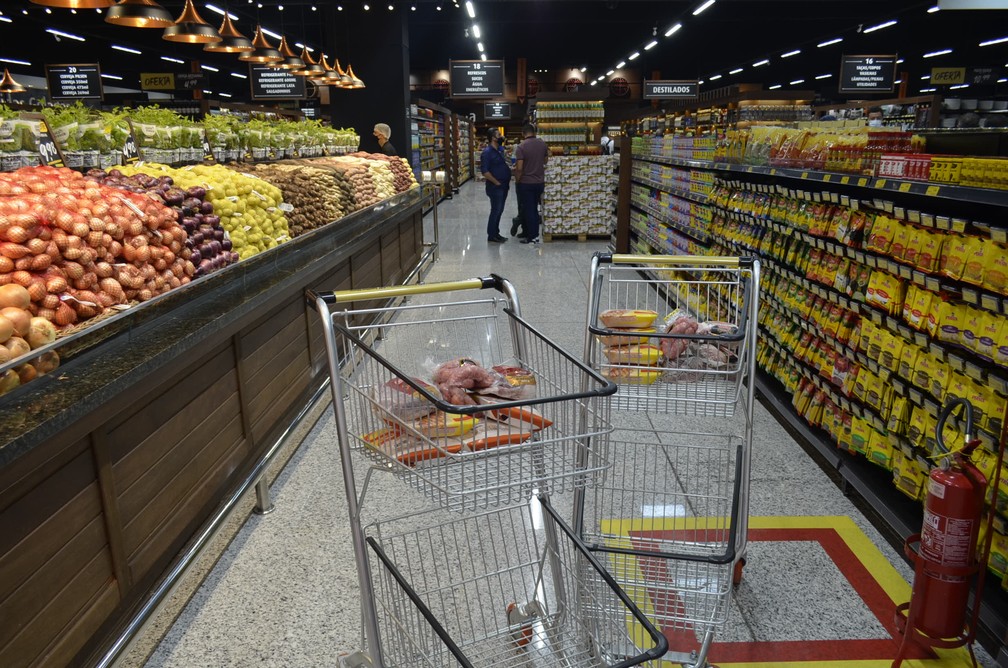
(190, 28)
(262, 52)
(355, 81)
(232, 41)
(75, 4)
(311, 67)
(139, 14)
(8, 85)
(290, 61)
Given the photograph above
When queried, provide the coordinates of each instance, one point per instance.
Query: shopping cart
(671, 516)
(478, 411)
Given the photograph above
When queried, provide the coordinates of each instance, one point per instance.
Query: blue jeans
(498, 196)
(528, 204)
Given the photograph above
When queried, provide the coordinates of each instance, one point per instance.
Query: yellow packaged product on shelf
(914, 245)
(900, 240)
(916, 428)
(998, 562)
(907, 475)
(976, 260)
(954, 253)
(996, 268)
(941, 372)
(923, 370)
(951, 320)
(880, 238)
(860, 434)
(877, 342)
(929, 254)
(880, 450)
(971, 329)
(898, 415)
(990, 328)
(1001, 344)
(892, 349)
(908, 361)
(885, 291)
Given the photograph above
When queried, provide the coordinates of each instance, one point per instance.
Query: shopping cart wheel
(737, 574)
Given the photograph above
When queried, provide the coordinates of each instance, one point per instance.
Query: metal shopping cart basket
(473, 407)
(670, 520)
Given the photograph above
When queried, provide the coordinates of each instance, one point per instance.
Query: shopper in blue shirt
(495, 169)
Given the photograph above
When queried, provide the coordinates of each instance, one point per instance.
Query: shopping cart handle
(365, 294)
(676, 260)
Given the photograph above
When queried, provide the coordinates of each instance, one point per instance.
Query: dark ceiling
(553, 34)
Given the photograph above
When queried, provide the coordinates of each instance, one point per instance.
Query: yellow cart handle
(365, 294)
(677, 260)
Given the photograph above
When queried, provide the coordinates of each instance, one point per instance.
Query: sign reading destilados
(671, 90)
(477, 78)
(74, 81)
(867, 74)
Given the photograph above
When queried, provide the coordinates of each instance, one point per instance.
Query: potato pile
(383, 179)
(79, 247)
(355, 172)
(20, 333)
(315, 194)
(403, 175)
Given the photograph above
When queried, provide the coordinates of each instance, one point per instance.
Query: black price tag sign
(48, 151)
(207, 151)
(130, 153)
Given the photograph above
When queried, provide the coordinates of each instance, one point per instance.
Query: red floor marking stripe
(860, 579)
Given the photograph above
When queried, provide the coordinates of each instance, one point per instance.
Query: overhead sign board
(671, 90)
(947, 76)
(80, 81)
(496, 111)
(170, 81)
(476, 78)
(273, 84)
(867, 74)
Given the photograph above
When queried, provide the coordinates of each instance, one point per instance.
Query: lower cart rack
(509, 588)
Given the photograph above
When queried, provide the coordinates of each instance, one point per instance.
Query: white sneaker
(533, 242)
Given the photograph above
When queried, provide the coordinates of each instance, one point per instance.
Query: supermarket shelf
(697, 235)
(901, 186)
(699, 198)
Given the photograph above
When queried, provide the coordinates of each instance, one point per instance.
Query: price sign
(130, 152)
(867, 74)
(671, 90)
(48, 152)
(208, 155)
(74, 81)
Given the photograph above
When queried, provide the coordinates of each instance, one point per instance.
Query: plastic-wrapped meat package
(402, 401)
(677, 322)
(459, 378)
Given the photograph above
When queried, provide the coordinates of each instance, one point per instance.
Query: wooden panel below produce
(155, 426)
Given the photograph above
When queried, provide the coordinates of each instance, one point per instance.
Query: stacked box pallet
(580, 196)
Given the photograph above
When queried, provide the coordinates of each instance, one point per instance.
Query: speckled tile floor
(285, 592)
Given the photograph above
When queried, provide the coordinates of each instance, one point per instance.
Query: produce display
(248, 207)
(403, 178)
(318, 196)
(208, 244)
(21, 333)
(580, 195)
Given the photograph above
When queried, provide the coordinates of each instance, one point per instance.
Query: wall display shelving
(882, 298)
(430, 141)
(465, 150)
(570, 126)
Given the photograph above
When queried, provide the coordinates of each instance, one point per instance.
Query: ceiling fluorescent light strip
(829, 42)
(699, 10)
(673, 30)
(879, 26)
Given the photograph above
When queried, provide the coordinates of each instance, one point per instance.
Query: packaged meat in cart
(521, 379)
(401, 400)
(460, 379)
(678, 322)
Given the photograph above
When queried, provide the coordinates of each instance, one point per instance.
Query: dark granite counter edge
(155, 338)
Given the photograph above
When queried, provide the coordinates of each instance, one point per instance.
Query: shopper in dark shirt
(382, 132)
(494, 168)
(530, 180)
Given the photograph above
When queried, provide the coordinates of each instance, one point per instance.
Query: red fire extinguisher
(946, 560)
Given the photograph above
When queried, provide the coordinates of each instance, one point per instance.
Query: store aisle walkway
(818, 589)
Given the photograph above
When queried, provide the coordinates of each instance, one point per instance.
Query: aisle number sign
(477, 78)
(867, 74)
(671, 90)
